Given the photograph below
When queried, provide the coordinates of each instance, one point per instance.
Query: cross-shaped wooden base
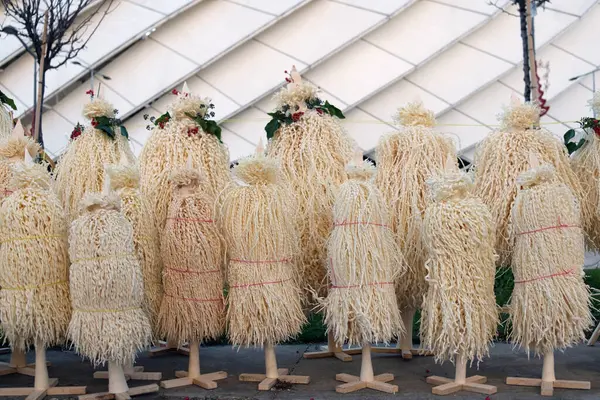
(332, 350)
(132, 392)
(205, 381)
(549, 381)
(472, 384)
(36, 394)
(166, 348)
(548, 386)
(135, 373)
(353, 383)
(282, 376)
(18, 365)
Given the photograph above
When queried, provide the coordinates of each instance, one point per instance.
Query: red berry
(597, 130)
(285, 71)
(161, 125)
(175, 92)
(319, 110)
(94, 122)
(296, 116)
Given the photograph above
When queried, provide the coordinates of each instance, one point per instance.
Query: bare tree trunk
(526, 71)
(37, 135)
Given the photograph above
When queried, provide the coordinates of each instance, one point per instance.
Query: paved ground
(581, 363)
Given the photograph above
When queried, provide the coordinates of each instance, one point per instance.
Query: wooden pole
(40, 91)
(534, 85)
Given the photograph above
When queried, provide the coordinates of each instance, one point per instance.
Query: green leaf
(573, 147)
(124, 132)
(4, 99)
(333, 110)
(213, 128)
(272, 127)
(107, 129)
(570, 134)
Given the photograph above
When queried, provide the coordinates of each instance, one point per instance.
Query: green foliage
(285, 116)
(587, 124)
(108, 125)
(4, 99)
(207, 125)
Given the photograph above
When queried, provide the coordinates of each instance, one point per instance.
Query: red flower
(175, 92)
(319, 110)
(597, 130)
(296, 116)
(161, 125)
(75, 134)
(288, 80)
(94, 122)
(90, 92)
(192, 131)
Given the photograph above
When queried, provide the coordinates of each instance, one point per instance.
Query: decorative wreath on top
(103, 117)
(587, 125)
(294, 100)
(190, 107)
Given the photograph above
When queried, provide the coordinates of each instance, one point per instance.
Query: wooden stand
(43, 386)
(548, 381)
(193, 376)
(332, 350)
(168, 347)
(366, 379)
(594, 337)
(131, 372)
(117, 386)
(460, 382)
(268, 380)
(405, 343)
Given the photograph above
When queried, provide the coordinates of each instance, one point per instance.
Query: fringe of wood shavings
(405, 160)
(459, 316)
(504, 154)
(12, 150)
(257, 219)
(171, 148)
(313, 154)
(124, 180)
(550, 304)
(81, 167)
(106, 282)
(193, 251)
(6, 123)
(586, 164)
(364, 262)
(34, 298)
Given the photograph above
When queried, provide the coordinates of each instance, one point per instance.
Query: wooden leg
(366, 378)
(404, 346)
(594, 337)
(168, 347)
(43, 386)
(445, 386)
(332, 351)
(193, 375)
(273, 374)
(548, 382)
(131, 372)
(117, 386)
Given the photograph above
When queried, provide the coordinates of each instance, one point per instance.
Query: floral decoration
(104, 117)
(294, 102)
(77, 131)
(189, 107)
(587, 125)
(4, 99)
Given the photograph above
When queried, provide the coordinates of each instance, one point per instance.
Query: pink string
(559, 226)
(346, 223)
(566, 272)
(259, 284)
(208, 221)
(260, 261)
(187, 271)
(195, 299)
(366, 284)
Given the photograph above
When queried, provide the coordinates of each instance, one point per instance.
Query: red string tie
(558, 226)
(350, 223)
(238, 260)
(259, 284)
(366, 284)
(566, 272)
